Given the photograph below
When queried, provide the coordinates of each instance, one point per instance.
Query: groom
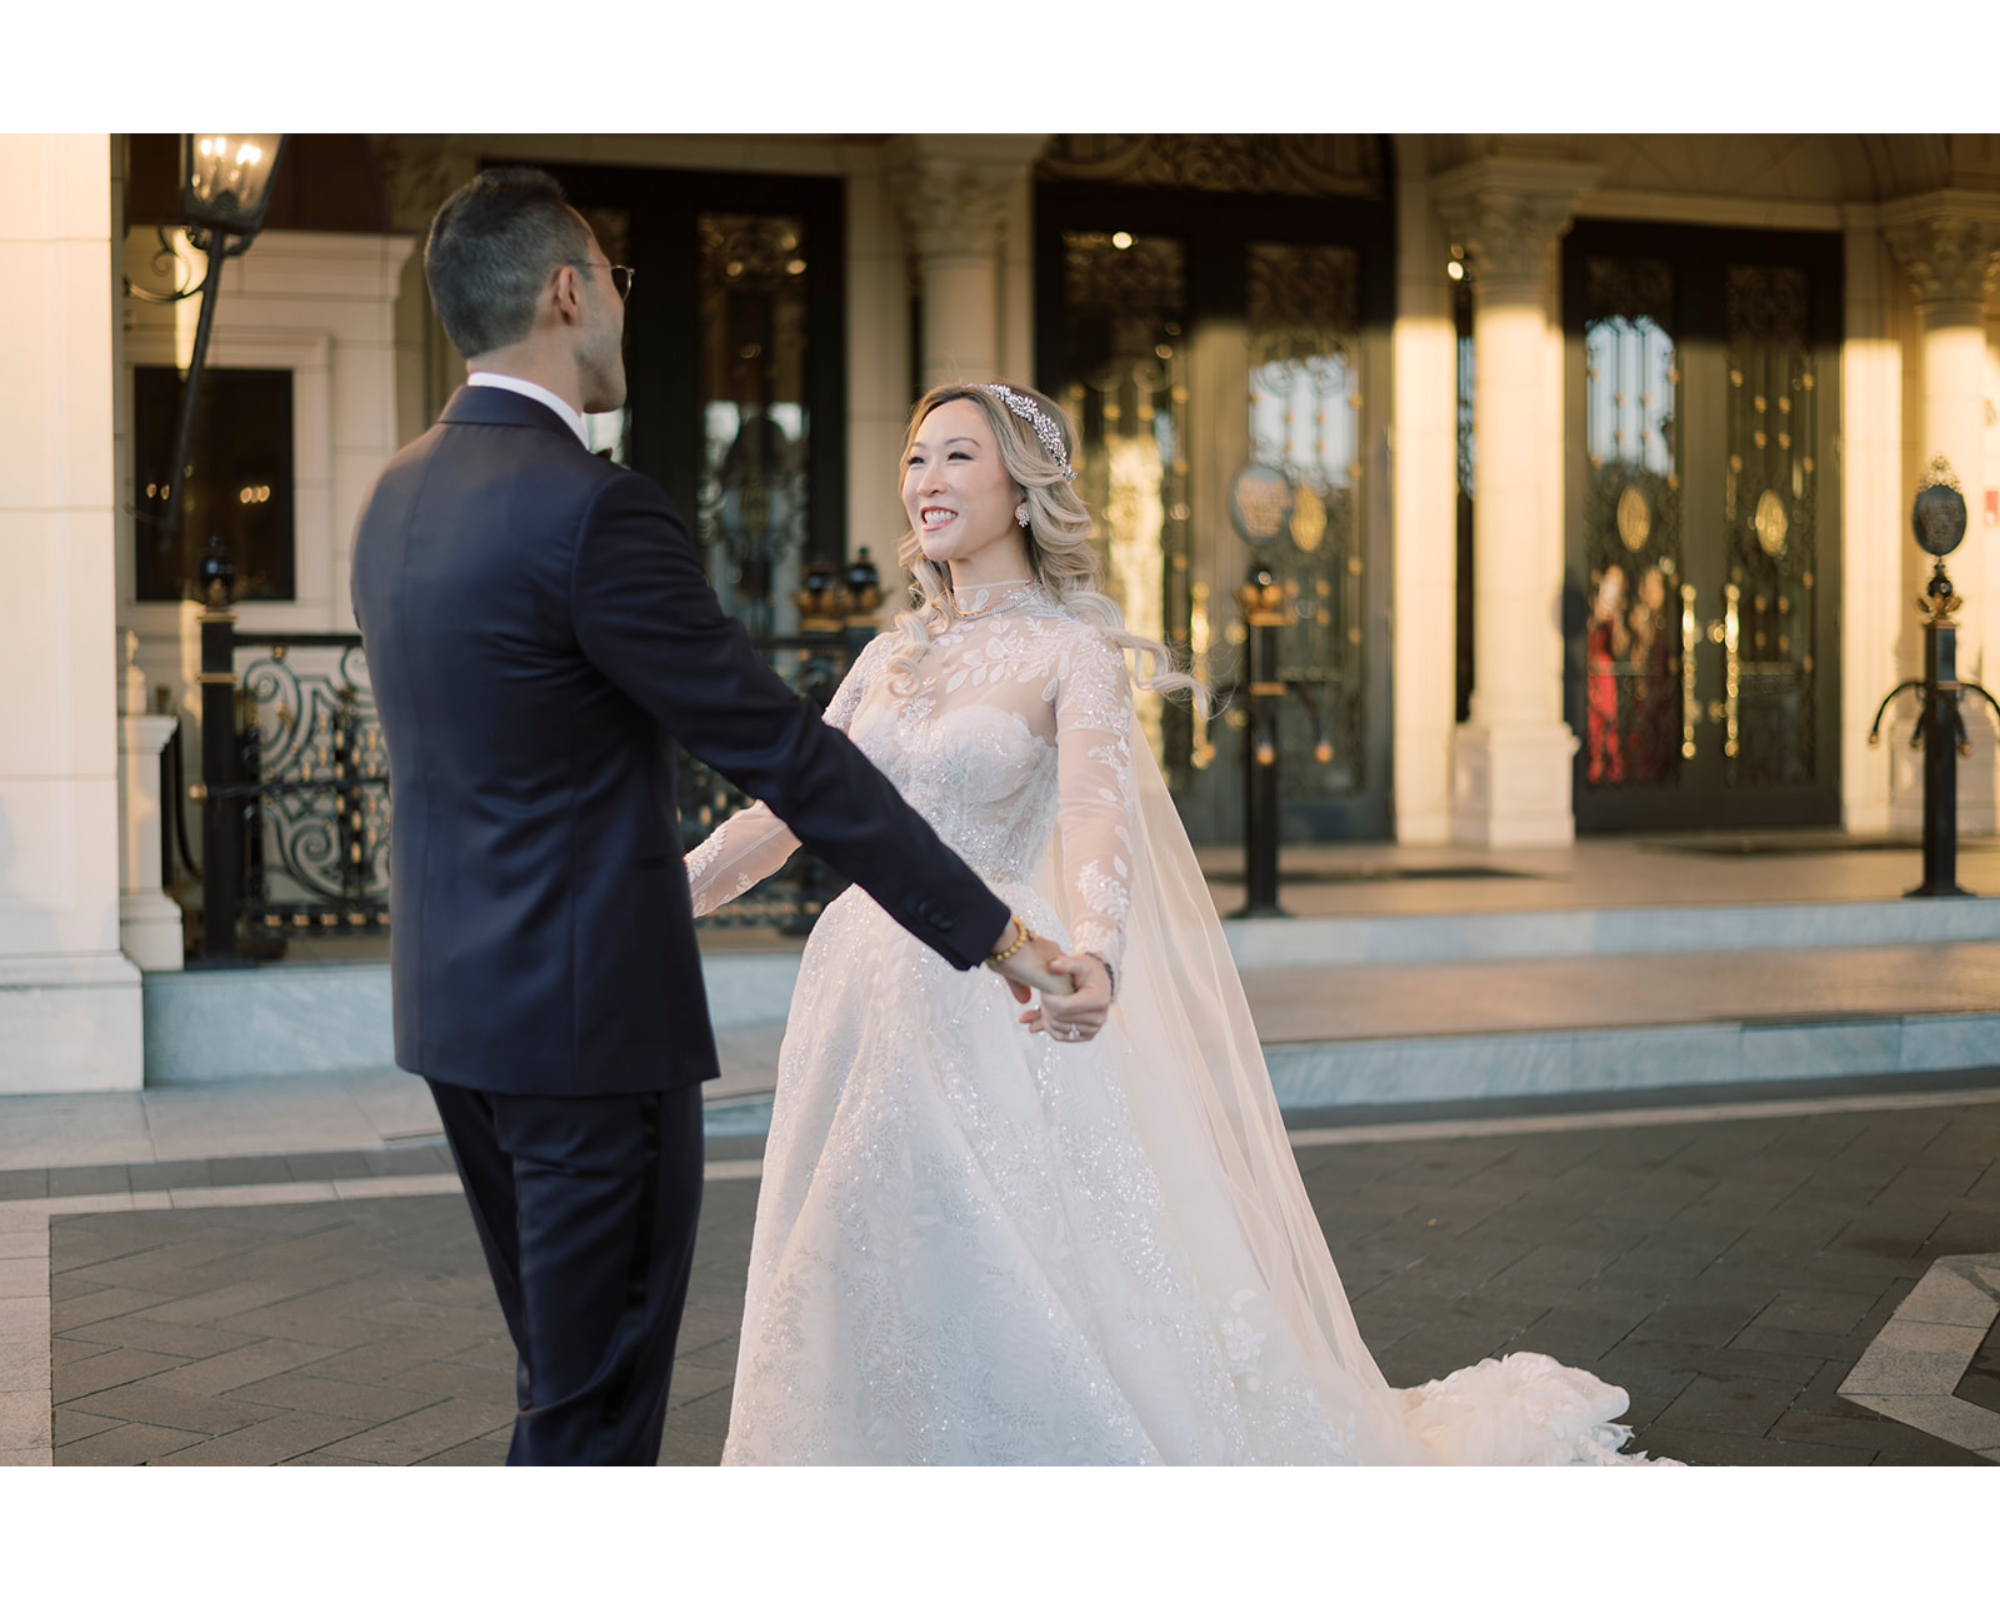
(539, 635)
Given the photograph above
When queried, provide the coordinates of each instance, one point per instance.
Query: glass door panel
(1305, 420)
(750, 505)
(1123, 309)
(735, 360)
(1770, 504)
(1703, 552)
(1633, 712)
(1194, 335)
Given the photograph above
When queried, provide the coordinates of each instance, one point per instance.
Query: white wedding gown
(977, 1245)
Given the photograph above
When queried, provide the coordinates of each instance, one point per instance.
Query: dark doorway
(1702, 597)
(736, 356)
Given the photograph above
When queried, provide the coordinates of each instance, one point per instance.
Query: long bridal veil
(1185, 1046)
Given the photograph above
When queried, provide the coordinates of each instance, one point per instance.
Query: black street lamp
(225, 193)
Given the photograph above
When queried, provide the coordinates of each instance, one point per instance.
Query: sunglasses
(621, 278)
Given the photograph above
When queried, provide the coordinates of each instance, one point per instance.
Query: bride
(1074, 1234)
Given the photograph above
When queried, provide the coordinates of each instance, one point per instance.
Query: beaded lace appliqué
(962, 1253)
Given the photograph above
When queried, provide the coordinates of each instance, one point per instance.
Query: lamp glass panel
(226, 177)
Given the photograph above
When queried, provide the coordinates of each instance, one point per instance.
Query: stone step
(1554, 1065)
(753, 987)
(1514, 935)
(334, 1015)
(1336, 1034)
(1503, 1030)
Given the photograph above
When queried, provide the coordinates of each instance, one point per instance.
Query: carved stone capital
(954, 191)
(952, 208)
(1508, 215)
(419, 172)
(1948, 243)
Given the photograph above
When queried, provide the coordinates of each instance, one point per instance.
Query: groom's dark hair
(492, 247)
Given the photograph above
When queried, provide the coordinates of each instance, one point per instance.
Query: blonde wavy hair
(1058, 539)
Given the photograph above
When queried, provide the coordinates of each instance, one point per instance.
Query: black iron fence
(296, 799)
(314, 785)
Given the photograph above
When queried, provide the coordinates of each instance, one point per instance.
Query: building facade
(1583, 463)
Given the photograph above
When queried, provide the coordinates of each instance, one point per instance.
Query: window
(238, 485)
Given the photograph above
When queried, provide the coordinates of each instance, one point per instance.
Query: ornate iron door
(1703, 531)
(1125, 310)
(1189, 350)
(736, 365)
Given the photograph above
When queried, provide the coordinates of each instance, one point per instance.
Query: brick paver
(1726, 1274)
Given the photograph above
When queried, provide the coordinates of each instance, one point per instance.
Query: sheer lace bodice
(1018, 722)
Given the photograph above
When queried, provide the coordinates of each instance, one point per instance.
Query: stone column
(1946, 243)
(69, 999)
(1875, 537)
(878, 368)
(1512, 760)
(1425, 514)
(956, 191)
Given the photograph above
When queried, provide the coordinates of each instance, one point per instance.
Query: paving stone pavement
(1727, 1274)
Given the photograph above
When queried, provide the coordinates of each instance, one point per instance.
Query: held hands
(1077, 988)
(1076, 1017)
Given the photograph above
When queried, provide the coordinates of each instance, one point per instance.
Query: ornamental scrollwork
(1147, 276)
(750, 254)
(1947, 257)
(317, 845)
(1312, 164)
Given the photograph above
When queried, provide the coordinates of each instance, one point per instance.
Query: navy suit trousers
(586, 1209)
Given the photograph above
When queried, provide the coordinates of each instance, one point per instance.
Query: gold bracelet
(1021, 937)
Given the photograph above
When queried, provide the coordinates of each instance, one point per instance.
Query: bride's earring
(1021, 513)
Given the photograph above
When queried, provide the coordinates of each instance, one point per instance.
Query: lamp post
(1261, 501)
(225, 194)
(1262, 598)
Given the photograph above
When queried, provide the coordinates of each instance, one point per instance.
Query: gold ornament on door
(1635, 518)
(1771, 523)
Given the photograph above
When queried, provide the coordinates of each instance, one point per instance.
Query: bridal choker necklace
(979, 594)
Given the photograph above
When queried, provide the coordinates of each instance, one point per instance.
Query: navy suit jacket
(539, 633)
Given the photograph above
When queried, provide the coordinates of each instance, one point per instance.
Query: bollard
(1938, 520)
(221, 812)
(1262, 600)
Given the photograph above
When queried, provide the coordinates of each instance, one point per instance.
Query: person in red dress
(1604, 645)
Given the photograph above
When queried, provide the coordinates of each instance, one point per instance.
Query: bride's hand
(1076, 1017)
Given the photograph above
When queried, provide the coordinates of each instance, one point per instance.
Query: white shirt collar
(534, 391)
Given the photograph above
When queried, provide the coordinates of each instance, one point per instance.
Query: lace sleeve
(753, 844)
(840, 709)
(1094, 770)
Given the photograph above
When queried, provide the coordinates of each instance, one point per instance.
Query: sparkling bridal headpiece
(1043, 424)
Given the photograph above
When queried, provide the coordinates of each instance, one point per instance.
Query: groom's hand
(1077, 1016)
(1030, 968)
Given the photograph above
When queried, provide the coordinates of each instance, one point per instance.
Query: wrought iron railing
(790, 900)
(316, 819)
(297, 809)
